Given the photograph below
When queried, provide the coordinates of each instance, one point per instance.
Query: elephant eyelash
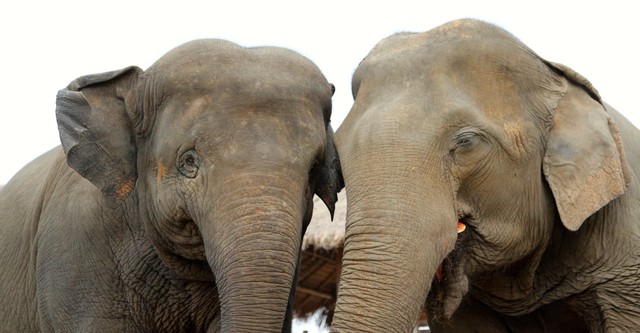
(464, 140)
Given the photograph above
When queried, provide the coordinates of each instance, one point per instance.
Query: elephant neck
(599, 260)
(159, 298)
(160, 290)
(594, 270)
(510, 290)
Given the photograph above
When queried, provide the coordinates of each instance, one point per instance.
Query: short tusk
(461, 227)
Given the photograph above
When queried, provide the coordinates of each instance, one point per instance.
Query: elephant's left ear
(584, 163)
(96, 130)
(329, 180)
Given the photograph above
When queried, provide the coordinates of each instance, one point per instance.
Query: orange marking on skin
(259, 212)
(124, 189)
(161, 171)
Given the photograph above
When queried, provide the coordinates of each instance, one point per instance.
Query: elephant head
(216, 150)
(461, 153)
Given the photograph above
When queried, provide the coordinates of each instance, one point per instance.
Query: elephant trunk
(397, 235)
(253, 250)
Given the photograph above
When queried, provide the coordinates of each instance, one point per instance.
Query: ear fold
(584, 162)
(329, 180)
(96, 131)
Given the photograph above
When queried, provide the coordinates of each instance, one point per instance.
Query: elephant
(178, 199)
(488, 186)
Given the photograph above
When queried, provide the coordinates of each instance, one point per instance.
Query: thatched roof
(321, 259)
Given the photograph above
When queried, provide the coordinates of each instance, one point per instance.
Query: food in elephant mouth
(461, 227)
(450, 283)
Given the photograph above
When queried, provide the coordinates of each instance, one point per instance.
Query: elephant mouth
(450, 283)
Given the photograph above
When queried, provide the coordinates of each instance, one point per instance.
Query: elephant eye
(465, 139)
(189, 163)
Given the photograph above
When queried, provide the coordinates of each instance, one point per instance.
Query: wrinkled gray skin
(464, 122)
(189, 187)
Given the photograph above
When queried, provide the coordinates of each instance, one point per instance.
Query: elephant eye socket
(189, 163)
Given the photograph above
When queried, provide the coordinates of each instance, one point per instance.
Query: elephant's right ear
(329, 180)
(584, 162)
(96, 130)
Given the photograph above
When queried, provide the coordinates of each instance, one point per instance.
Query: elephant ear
(329, 180)
(96, 131)
(584, 163)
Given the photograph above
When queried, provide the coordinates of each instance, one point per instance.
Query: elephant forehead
(215, 124)
(229, 106)
(497, 86)
(436, 100)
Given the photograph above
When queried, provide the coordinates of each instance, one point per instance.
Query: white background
(47, 44)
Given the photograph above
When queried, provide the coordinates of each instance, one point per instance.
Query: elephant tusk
(461, 227)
